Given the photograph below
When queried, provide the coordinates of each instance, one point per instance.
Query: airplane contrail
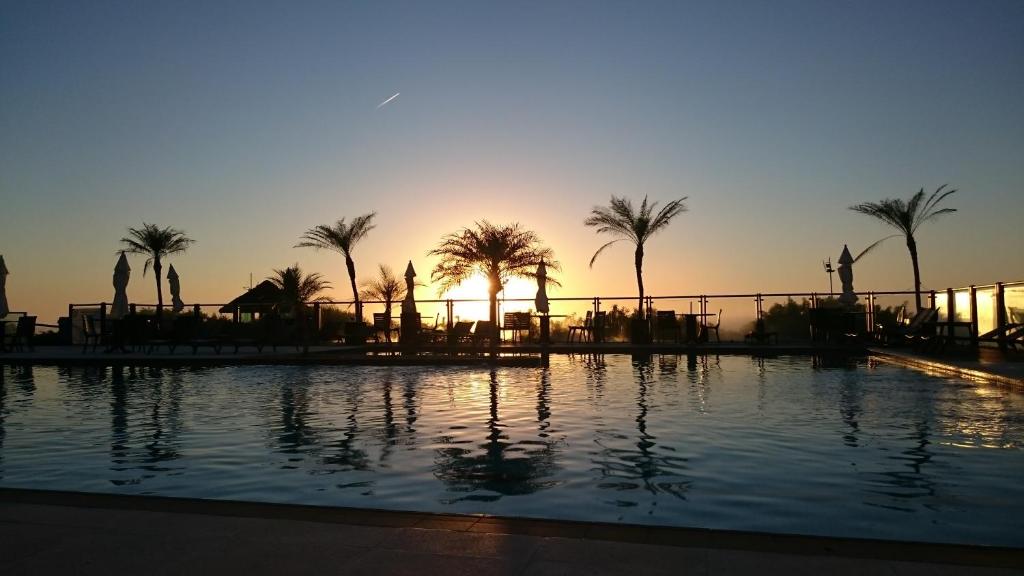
(388, 100)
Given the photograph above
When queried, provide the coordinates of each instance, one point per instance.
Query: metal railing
(966, 312)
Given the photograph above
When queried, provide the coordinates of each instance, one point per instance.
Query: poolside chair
(460, 333)
(204, 334)
(666, 326)
(714, 327)
(91, 333)
(23, 333)
(382, 325)
(760, 335)
(516, 322)
(486, 331)
(583, 331)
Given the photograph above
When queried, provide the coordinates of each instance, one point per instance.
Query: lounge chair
(461, 333)
(917, 327)
(486, 331)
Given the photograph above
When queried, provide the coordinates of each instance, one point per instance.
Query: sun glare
(475, 288)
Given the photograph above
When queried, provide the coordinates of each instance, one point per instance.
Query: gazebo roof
(262, 296)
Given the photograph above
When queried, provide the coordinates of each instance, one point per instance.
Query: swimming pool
(789, 445)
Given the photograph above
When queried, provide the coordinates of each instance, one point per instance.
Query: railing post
(196, 311)
(974, 316)
(317, 317)
(931, 298)
(450, 307)
(1001, 316)
(103, 317)
(132, 309)
(871, 313)
(950, 314)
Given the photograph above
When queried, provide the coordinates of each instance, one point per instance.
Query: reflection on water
(816, 445)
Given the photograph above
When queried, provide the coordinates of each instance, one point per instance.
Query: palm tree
(620, 219)
(387, 287)
(342, 238)
(907, 217)
(297, 288)
(156, 243)
(498, 252)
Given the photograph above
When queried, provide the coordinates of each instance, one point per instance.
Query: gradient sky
(245, 123)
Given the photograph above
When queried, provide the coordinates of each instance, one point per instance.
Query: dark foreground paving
(87, 534)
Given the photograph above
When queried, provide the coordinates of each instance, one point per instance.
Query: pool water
(848, 447)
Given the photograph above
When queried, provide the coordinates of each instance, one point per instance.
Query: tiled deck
(68, 533)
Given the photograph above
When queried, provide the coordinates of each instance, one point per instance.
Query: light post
(828, 269)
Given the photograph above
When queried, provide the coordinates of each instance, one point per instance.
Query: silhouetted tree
(156, 243)
(620, 219)
(499, 252)
(907, 217)
(342, 238)
(387, 287)
(297, 288)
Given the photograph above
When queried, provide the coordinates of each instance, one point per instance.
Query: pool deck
(987, 364)
(44, 532)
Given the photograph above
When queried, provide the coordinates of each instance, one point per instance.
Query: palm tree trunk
(639, 262)
(912, 247)
(351, 266)
(493, 287)
(157, 268)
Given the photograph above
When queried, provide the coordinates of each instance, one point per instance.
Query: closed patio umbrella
(4, 309)
(848, 297)
(121, 274)
(409, 304)
(541, 301)
(172, 280)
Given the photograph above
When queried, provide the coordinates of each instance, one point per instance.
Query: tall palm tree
(907, 217)
(620, 219)
(297, 288)
(342, 238)
(156, 243)
(387, 287)
(498, 252)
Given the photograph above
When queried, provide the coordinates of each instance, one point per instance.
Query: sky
(246, 123)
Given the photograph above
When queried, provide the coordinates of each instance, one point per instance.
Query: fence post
(131, 309)
(950, 314)
(1001, 316)
(974, 316)
(931, 297)
(196, 312)
(450, 307)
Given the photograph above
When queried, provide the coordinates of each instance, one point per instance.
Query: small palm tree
(498, 252)
(907, 217)
(156, 243)
(342, 238)
(297, 288)
(387, 287)
(620, 219)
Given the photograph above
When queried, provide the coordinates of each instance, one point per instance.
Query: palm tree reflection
(500, 467)
(625, 470)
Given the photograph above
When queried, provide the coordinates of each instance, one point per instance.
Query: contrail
(388, 100)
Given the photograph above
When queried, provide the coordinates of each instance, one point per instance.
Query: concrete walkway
(95, 534)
